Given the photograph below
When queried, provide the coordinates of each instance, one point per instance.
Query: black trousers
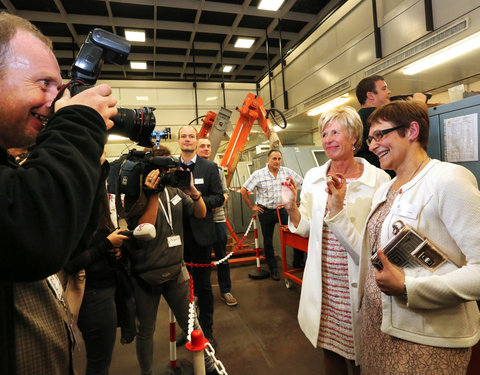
(194, 253)
(268, 219)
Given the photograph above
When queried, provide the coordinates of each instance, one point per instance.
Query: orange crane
(252, 110)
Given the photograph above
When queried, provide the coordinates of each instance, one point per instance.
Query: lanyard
(168, 216)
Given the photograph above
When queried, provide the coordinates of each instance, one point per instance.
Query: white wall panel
(404, 29)
(446, 11)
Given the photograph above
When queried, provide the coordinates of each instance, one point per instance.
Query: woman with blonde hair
(329, 287)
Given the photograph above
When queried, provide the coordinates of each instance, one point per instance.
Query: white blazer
(313, 200)
(442, 203)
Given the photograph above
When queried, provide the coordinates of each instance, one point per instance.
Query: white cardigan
(312, 208)
(443, 203)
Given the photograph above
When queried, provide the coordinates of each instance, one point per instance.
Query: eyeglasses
(377, 135)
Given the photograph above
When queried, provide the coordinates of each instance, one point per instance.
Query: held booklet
(408, 249)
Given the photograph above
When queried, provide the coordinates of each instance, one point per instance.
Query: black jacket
(45, 206)
(207, 181)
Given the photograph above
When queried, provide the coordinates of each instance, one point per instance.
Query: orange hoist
(252, 110)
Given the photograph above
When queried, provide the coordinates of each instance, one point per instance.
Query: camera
(100, 45)
(127, 175)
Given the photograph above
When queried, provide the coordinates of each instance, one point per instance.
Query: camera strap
(168, 216)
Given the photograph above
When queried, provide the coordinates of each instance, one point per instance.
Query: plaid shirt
(269, 188)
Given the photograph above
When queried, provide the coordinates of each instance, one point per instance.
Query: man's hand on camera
(98, 97)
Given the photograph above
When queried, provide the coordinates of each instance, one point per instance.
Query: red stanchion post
(197, 346)
(173, 339)
(258, 274)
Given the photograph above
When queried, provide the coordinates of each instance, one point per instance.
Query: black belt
(268, 209)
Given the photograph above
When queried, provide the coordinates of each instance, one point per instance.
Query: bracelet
(405, 294)
(199, 196)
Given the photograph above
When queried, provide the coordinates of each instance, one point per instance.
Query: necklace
(416, 170)
(353, 172)
(413, 174)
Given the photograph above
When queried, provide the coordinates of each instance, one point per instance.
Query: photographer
(46, 203)
(158, 265)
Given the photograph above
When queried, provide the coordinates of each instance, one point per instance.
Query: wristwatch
(198, 197)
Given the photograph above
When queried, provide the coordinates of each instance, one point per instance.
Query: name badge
(174, 240)
(175, 199)
(56, 286)
(198, 181)
(407, 210)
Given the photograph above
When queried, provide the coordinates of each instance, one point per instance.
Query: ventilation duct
(431, 40)
(315, 100)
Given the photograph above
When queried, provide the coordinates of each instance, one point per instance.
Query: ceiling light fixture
(227, 68)
(270, 4)
(135, 35)
(329, 105)
(138, 65)
(244, 42)
(445, 54)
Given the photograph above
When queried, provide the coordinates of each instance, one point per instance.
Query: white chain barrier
(192, 314)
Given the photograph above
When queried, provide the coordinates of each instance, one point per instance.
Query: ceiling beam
(133, 23)
(222, 8)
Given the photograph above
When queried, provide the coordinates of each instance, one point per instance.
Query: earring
(353, 148)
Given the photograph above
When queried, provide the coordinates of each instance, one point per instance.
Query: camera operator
(46, 203)
(158, 265)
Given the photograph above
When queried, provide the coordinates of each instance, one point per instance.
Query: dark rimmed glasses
(378, 134)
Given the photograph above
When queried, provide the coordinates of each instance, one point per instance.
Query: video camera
(100, 45)
(127, 176)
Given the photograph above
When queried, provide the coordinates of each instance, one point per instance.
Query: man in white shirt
(268, 184)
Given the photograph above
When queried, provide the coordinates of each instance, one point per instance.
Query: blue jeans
(97, 321)
(219, 247)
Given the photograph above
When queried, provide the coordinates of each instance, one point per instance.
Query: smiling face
(336, 141)
(381, 95)
(392, 148)
(30, 83)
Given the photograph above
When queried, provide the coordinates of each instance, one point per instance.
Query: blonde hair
(10, 25)
(346, 116)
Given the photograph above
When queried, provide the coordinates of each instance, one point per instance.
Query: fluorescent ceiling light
(211, 98)
(142, 98)
(138, 65)
(270, 4)
(329, 105)
(445, 54)
(135, 35)
(227, 68)
(244, 42)
(113, 137)
(277, 128)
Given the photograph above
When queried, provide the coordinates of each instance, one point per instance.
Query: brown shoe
(229, 299)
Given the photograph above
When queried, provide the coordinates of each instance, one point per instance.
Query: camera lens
(136, 124)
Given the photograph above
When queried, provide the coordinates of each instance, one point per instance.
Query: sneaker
(275, 275)
(229, 299)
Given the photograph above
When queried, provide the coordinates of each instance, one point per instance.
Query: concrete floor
(260, 336)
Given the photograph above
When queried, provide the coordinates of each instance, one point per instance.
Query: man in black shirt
(372, 92)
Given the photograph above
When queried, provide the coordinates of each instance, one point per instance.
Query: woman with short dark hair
(417, 320)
